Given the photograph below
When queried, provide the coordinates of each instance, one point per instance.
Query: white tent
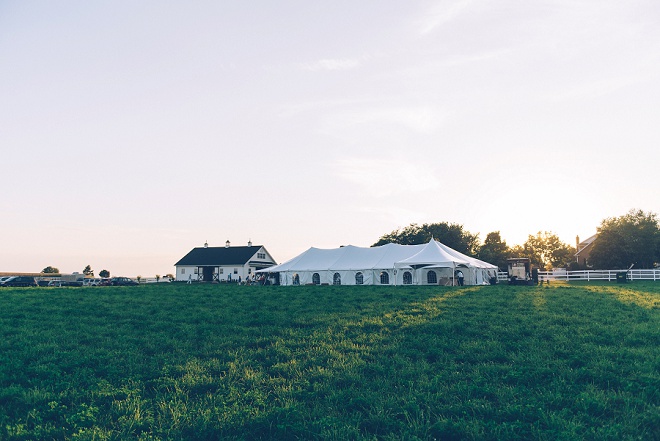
(435, 257)
(480, 272)
(392, 264)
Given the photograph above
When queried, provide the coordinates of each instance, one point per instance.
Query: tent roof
(471, 260)
(377, 258)
(432, 254)
(347, 258)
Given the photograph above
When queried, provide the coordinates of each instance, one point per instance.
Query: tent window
(336, 279)
(431, 277)
(316, 279)
(384, 278)
(296, 279)
(407, 278)
(359, 279)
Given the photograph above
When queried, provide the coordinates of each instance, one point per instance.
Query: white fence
(589, 275)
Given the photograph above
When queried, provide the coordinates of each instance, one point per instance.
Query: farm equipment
(520, 272)
(622, 277)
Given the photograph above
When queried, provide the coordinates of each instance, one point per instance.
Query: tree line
(633, 238)
(87, 271)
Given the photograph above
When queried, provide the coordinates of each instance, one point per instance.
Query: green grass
(185, 362)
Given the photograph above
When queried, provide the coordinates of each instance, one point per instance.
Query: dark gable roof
(215, 256)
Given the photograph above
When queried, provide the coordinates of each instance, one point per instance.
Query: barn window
(183, 270)
(384, 278)
(296, 279)
(407, 278)
(359, 279)
(431, 277)
(336, 279)
(316, 279)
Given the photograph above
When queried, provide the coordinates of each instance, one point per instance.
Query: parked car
(19, 281)
(105, 282)
(64, 283)
(122, 281)
(2, 279)
(91, 282)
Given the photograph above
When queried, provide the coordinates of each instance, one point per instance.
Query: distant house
(228, 263)
(584, 249)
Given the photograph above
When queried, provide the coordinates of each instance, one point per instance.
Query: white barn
(392, 264)
(223, 264)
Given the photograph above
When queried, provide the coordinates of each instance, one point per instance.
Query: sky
(132, 132)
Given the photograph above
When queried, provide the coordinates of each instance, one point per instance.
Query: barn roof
(216, 256)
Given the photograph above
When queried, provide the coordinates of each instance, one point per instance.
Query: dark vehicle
(20, 281)
(76, 283)
(63, 283)
(104, 282)
(122, 281)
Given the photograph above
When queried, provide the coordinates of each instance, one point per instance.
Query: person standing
(460, 277)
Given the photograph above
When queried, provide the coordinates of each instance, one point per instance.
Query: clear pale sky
(132, 132)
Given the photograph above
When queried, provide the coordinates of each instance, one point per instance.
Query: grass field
(176, 361)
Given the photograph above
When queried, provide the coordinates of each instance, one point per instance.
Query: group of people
(251, 279)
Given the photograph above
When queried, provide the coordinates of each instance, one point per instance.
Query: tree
(104, 273)
(517, 251)
(88, 271)
(633, 238)
(547, 251)
(50, 270)
(494, 250)
(451, 235)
